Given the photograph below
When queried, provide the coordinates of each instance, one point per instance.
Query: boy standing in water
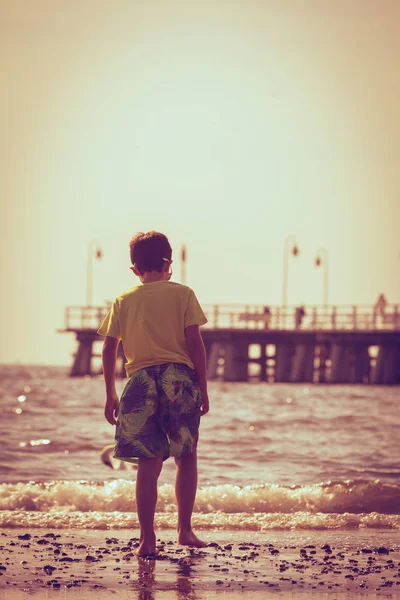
(159, 412)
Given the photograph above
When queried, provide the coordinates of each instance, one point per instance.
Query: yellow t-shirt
(150, 320)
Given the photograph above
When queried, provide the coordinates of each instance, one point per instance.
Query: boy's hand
(205, 405)
(111, 409)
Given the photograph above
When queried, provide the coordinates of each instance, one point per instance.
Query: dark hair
(148, 251)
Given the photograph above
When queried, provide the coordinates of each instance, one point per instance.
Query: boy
(159, 412)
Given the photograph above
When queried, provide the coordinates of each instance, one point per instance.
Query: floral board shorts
(159, 413)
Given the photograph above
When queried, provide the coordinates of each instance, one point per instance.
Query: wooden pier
(312, 344)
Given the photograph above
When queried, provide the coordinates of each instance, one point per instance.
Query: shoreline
(332, 564)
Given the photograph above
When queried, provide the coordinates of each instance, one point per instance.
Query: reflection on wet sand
(146, 579)
(149, 584)
(184, 581)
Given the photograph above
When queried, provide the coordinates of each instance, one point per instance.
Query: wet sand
(238, 564)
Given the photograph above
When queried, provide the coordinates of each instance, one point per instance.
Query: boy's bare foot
(147, 546)
(188, 538)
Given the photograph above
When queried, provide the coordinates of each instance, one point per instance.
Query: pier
(294, 344)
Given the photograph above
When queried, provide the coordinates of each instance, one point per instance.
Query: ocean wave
(341, 497)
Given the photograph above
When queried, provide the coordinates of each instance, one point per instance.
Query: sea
(271, 457)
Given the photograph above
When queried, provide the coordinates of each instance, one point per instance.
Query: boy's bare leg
(148, 472)
(185, 490)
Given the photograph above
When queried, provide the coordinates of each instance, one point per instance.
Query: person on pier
(158, 414)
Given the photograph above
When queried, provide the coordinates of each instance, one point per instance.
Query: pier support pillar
(340, 369)
(322, 352)
(350, 363)
(213, 357)
(360, 372)
(387, 368)
(83, 357)
(263, 363)
(236, 361)
(283, 361)
(302, 368)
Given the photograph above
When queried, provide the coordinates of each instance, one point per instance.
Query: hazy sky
(227, 126)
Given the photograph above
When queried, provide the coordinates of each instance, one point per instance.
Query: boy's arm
(197, 353)
(109, 359)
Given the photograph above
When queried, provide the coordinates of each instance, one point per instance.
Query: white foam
(215, 520)
(119, 495)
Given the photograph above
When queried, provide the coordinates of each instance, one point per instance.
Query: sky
(227, 126)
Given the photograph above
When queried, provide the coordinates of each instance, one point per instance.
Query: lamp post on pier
(94, 251)
(290, 248)
(322, 260)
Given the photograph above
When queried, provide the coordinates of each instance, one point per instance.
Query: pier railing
(251, 316)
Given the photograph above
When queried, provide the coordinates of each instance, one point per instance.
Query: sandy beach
(291, 501)
(76, 563)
